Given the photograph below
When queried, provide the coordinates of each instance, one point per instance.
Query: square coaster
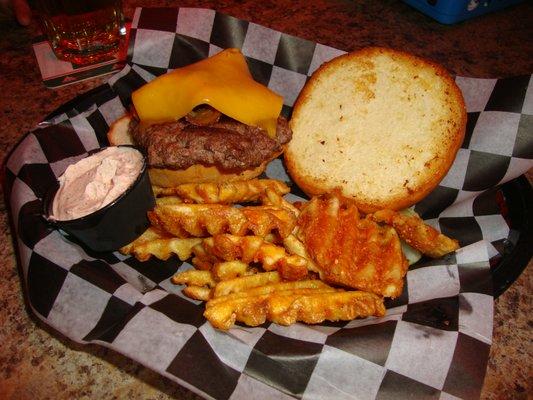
(56, 73)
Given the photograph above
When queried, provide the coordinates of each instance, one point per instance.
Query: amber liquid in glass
(83, 31)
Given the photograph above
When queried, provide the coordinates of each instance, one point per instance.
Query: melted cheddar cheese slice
(222, 81)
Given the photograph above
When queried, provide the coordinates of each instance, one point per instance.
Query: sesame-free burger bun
(382, 125)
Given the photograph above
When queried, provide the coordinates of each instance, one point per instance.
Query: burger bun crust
(381, 125)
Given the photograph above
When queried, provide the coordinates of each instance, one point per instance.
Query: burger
(206, 122)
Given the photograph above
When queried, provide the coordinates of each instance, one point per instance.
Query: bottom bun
(197, 173)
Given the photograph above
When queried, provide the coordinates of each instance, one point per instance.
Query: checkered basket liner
(434, 341)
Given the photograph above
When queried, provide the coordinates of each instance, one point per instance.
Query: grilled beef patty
(227, 144)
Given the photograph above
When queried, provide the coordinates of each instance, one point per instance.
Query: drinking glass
(83, 31)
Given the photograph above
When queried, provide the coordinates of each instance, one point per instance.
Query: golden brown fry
(147, 236)
(263, 220)
(255, 249)
(197, 220)
(164, 248)
(161, 191)
(158, 224)
(224, 192)
(273, 238)
(295, 246)
(292, 287)
(156, 243)
(235, 285)
(197, 292)
(225, 270)
(274, 198)
(287, 308)
(194, 277)
(350, 251)
(202, 259)
(252, 310)
(168, 200)
(293, 268)
(211, 219)
(417, 234)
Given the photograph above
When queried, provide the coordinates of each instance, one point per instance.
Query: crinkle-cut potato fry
(253, 309)
(224, 192)
(155, 243)
(273, 198)
(177, 231)
(197, 292)
(293, 268)
(194, 277)
(243, 283)
(225, 270)
(255, 249)
(417, 233)
(295, 246)
(293, 287)
(273, 238)
(202, 259)
(200, 220)
(312, 306)
(263, 220)
(162, 191)
(163, 249)
(148, 235)
(168, 200)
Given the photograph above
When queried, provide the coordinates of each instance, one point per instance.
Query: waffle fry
(177, 230)
(168, 200)
(274, 198)
(349, 250)
(194, 277)
(148, 235)
(270, 288)
(156, 243)
(163, 249)
(224, 192)
(202, 259)
(287, 307)
(225, 270)
(198, 220)
(225, 288)
(199, 283)
(255, 249)
(197, 292)
(295, 246)
(326, 236)
(162, 191)
(417, 234)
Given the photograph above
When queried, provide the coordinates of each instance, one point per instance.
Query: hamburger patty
(227, 144)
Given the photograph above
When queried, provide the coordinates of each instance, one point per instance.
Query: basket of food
(300, 216)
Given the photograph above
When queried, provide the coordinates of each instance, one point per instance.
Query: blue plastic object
(452, 11)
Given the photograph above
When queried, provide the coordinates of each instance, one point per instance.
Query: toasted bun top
(382, 125)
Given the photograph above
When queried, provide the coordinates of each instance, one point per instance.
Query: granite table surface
(36, 363)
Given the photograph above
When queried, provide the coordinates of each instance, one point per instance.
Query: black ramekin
(116, 224)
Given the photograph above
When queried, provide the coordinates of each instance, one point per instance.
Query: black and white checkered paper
(434, 341)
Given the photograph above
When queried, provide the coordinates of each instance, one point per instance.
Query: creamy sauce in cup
(95, 181)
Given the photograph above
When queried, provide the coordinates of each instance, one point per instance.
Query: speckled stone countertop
(36, 363)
